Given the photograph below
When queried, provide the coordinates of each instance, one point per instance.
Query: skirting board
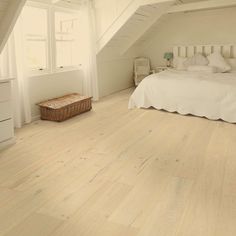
(7, 143)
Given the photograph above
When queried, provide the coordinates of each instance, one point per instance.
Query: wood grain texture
(118, 172)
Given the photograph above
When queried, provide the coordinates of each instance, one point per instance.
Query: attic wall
(205, 27)
(115, 72)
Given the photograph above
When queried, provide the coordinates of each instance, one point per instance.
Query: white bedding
(211, 95)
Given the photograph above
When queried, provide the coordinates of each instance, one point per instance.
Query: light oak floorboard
(120, 172)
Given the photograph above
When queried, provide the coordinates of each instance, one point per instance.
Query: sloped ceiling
(3, 6)
(9, 12)
(153, 30)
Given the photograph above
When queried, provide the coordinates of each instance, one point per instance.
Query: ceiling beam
(147, 24)
(204, 5)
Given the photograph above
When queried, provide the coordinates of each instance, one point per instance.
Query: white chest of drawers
(6, 119)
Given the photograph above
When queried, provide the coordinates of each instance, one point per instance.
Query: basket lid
(66, 100)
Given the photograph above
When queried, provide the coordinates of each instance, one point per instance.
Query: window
(36, 37)
(66, 35)
(52, 39)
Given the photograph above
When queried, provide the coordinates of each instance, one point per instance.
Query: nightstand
(161, 68)
(152, 72)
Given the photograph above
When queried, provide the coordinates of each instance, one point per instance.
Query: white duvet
(211, 95)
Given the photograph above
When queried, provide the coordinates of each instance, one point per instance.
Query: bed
(210, 95)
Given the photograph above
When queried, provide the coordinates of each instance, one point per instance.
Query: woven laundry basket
(63, 108)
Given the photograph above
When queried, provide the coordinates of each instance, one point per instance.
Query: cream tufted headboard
(228, 51)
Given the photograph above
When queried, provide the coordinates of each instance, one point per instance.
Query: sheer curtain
(12, 65)
(88, 49)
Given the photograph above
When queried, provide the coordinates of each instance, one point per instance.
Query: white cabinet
(5, 111)
(5, 91)
(6, 119)
(6, 130)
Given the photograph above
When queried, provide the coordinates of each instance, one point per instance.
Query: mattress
(210, 95)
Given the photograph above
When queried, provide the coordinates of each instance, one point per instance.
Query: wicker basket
(63, 108)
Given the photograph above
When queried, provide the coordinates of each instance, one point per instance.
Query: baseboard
(131, 85)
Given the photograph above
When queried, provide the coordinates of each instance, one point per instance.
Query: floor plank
(120, 172)
(37, 225)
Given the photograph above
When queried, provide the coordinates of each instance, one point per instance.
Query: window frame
(47, 70)
(65, 68)
(51, 52)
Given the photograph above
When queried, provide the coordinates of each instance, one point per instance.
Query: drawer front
(5, 111)
(5, 91)
(6, 130)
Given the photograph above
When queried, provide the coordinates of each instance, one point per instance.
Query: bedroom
(113, 170)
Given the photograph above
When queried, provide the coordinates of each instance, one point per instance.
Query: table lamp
(168, 56)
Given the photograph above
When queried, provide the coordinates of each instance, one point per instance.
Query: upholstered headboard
(228, 51)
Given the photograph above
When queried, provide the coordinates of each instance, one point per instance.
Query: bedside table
(161, 68)
(152, 72)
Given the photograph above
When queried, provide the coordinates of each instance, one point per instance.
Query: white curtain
(88, 50)
(12, 65)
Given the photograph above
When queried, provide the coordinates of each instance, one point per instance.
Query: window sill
(67, 69)
(58, 71)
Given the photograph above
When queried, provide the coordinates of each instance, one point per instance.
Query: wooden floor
(115, 172)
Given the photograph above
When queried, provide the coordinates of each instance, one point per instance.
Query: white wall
(115, 72)
(49, 86)
(115, 75)
(205, 27)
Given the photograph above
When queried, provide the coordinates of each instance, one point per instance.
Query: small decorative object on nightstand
(152, 72)
(161, 68)
(168, 56)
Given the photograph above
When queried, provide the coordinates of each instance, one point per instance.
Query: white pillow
(207, 69)
(232, 63)
(178, 63)
(197, 59)
(218, 61)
